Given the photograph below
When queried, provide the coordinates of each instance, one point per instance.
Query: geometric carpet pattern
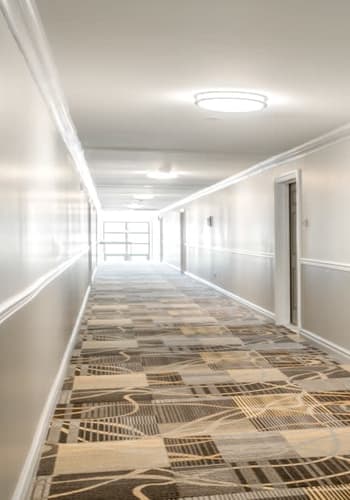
(175, 391)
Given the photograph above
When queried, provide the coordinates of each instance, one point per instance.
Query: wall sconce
(210, 221)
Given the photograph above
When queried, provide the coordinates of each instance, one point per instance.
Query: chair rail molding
(11, 305)
(238, 251)
(327, 264)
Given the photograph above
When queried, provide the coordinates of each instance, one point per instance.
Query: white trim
(326, 344)
(11, 305)
(267, 255)
(233, 296)
(281, 271)
(161, 246)
(24, 483)
(330, 138)
(93, 276)
(26, 27)
(293, 328)
(172, 265)
(183, 253)
(328, 264)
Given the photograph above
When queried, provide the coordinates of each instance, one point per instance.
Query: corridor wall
(171, 234)
(237, 252)
(44, 257)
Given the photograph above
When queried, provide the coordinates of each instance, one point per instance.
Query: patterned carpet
(177, 392)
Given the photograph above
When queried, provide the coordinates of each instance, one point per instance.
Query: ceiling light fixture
(162, 174)
(134, 206)
(231, 101)
(145, 196)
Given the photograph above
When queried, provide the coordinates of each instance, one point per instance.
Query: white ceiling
(119, 174)
(129, 70)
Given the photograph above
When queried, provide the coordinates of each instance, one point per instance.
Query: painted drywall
(237, 252)
(171, 234)
(43, 223)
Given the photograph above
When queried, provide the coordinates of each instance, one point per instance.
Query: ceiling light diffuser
(162, 174)
(134, 206)
(145, 196)
(231, 101)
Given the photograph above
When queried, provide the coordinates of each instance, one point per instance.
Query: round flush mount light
(134, 206)
(162, 174)
(145, 196)
(232, 101)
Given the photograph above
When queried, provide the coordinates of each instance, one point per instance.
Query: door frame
(282, 254)
(183, 240)
(89, 223)
(161, 249)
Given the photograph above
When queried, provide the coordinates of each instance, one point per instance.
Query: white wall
(43, 225)
(237, 253)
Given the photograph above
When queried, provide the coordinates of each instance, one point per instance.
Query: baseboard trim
(93, 276)
(326, 344)
(29, 468)
(233, 296)
(172, 265)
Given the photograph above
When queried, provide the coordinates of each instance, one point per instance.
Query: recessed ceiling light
(145, 196)
(231, 101)
(162, 174)
(134, 206)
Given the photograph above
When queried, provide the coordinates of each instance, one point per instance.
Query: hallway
(174, 183)
(177, 392)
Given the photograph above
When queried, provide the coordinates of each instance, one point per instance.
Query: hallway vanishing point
(177, 392)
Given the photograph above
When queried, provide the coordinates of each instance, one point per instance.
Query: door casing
(182, 240)
(282, 249)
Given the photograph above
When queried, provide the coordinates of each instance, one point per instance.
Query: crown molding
(25, 25)
(225, 155)
(323, 141)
